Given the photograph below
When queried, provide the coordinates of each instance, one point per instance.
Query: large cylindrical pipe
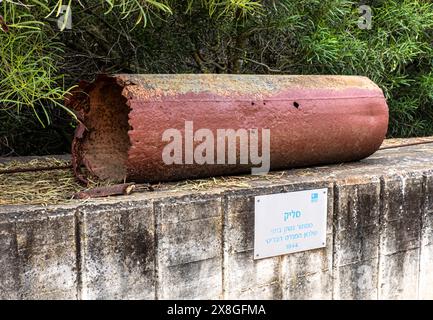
(130, 122)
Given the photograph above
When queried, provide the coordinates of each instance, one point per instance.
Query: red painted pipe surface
(311, 120)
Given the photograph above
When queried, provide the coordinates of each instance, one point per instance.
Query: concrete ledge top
(399, 161)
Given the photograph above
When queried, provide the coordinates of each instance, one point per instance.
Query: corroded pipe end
(311, 119)
(101, 140)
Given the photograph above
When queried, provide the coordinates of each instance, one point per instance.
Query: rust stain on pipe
(312, 120)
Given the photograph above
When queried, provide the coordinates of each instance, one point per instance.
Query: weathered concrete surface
(37, 254)
(199, 244)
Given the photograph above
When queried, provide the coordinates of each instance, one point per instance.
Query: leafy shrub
(215, 36)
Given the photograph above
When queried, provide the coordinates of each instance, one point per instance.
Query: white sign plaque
(290, 222)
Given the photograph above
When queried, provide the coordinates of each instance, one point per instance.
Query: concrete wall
(190, 244)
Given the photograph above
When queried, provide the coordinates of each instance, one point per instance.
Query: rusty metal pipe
(312, 120)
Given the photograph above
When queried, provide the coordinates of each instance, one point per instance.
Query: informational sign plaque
(290, 222)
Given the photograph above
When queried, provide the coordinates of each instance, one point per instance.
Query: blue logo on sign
(314, 197)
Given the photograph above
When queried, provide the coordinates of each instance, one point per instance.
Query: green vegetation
(42, 58)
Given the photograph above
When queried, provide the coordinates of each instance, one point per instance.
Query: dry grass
(229, 182)
(58, 186)
(39, 187)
